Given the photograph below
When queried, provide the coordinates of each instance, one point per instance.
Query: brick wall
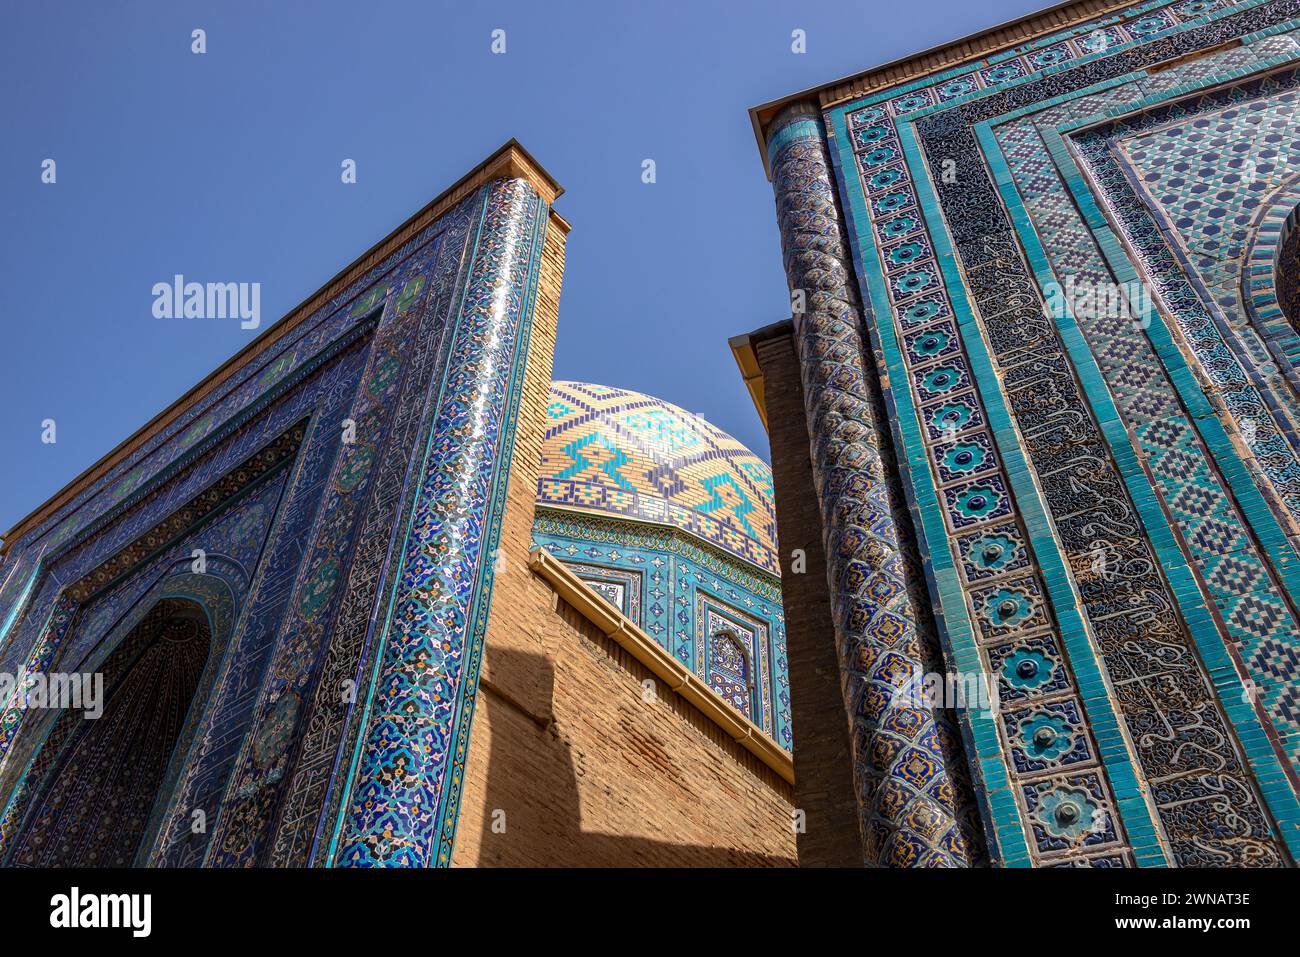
(823, 779)
(566, 752)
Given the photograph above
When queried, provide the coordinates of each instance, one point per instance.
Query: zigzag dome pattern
(631, 456)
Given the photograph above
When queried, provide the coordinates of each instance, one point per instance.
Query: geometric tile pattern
(730, 639)
(200, 779)
(416, 731)
(627, 455)
(620, 458)
(1270, 281)
(237, 535)
(1004, 597)
(1186, 181)
(622, 589)
(1142, 21)
(1194, 492)
(1203, 176)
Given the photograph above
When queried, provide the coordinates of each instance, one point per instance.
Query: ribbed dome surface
(632, 456)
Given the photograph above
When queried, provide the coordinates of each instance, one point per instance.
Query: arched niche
(731, 670)
(96, 780)
(54, 742)
(1270, 279)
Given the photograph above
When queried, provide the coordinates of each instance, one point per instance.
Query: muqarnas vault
(1043, 355)
(326, 634)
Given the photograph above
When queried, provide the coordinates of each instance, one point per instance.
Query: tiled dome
(631, 456)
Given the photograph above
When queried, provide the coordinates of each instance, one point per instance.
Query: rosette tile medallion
(1044, 284)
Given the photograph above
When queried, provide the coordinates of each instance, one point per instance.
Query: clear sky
(225, 166)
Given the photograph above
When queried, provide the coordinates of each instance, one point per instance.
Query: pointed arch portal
(97, 790)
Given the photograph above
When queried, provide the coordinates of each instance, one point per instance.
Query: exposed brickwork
(586, 771)
(823, 781)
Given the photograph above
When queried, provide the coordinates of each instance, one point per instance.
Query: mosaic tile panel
(233, 541)
(731, 646)
(268, 374)
(1216, 166)
(274, 753)
(1101, 37)
(1254, 611)
(403, 809)
(1270, 281)
(981, 523)
(622, 589)
(631, 457)
(200, 781)
(311, 617)
(316, 793)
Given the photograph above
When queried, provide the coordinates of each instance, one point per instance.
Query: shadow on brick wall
(533, 811)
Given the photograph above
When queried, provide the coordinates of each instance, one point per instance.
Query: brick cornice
(744, 351)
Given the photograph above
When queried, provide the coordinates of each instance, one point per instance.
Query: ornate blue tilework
(1040, 420)
(403, 807)
(624, 454)
(403, 359)
(627, 456)
(1209, 212)
(1253, 608)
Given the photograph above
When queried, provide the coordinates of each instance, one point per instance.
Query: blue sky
(225, 167)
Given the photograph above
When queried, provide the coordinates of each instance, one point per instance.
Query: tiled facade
(1067, 262)
(344, 479)
(288, 580)
(1044, 357)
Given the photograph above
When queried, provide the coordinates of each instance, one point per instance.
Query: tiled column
(404, 800)
(909, 773)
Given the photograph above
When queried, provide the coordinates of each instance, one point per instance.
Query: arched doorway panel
(95, 783)
(86, 625)
(52, 738)
(85, 610)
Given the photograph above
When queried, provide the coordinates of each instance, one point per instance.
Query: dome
(631, 456)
